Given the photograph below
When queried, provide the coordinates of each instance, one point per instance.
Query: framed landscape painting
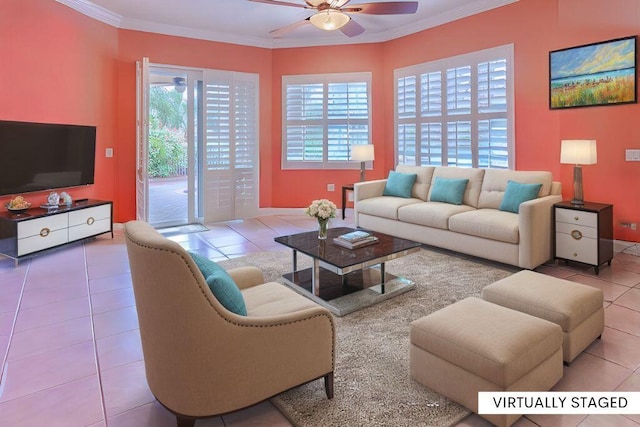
(601, 73)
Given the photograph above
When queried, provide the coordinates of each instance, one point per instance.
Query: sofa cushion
(474, 175)
(384, 206)
(518, 193)
(271, 299)
(495, 182)
(448, 190)
(431, 214)
(424, 175)
(221, 284)
(487, 223)
(399, 184)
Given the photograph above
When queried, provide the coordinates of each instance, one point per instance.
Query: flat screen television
(45, 156)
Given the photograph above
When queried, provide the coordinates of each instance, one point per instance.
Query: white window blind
(457, 111)
(323, 117)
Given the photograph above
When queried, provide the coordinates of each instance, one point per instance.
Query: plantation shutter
(231, 146)
(304, 117)
(493, 141)
(464, 114)
(324, 116)
(245, 131)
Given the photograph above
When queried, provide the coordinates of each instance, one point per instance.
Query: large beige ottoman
(575, 307)
(473, 346)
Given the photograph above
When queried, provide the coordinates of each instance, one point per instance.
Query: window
(323, 117)
(457, 111)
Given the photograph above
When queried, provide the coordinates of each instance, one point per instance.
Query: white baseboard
(281, 211)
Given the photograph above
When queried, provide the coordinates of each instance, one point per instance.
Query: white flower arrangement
(321, 209)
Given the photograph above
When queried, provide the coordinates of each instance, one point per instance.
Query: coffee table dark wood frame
(332, 264)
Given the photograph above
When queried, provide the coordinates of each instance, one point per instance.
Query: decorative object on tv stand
(363, 154)
(322, 210)
(578, 152)
(66, 198)
(18, 205)
(53, 199)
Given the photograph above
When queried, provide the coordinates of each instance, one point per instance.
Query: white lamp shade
(578, 152)
(330, 19)
(362, 153)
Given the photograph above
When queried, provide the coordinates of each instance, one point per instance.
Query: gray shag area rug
(372, 384)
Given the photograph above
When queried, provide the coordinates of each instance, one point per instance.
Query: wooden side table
(584, 233)
(345, 188)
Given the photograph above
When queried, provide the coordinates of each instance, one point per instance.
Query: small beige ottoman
(474, 345)
(575, 307)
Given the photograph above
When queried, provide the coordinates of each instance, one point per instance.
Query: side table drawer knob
(577, 218)
(576, 234)
(90, 220)
(44, 232)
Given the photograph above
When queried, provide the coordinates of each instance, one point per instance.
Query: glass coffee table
(345, 280)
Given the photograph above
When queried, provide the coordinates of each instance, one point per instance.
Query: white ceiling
(249, 23)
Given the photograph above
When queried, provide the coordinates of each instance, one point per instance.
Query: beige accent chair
(202, 360)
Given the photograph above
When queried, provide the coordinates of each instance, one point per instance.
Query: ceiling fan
(333, 15)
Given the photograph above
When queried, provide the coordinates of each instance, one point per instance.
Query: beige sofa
(477, 226)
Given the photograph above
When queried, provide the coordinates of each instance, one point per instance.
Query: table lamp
(363, 154)
(578, 152)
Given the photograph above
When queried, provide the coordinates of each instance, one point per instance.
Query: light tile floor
(71, 349)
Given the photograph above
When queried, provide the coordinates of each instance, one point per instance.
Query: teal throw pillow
(449, 190)
(399, 184)
(221, 284)
(517, 193)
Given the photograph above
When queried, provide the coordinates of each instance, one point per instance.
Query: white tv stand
(39, 229)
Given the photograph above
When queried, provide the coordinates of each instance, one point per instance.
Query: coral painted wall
(65, 67)
(59, 66)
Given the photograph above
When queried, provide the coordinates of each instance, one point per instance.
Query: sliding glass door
(198, 150)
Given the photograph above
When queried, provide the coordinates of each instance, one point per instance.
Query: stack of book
(355, 239)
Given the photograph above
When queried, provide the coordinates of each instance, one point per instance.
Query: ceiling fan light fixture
(180, 85)
(330, 19)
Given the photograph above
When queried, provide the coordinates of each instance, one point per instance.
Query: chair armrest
(246, 277)
(536, 231)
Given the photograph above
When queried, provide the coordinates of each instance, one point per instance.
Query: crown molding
(94, 11)
(448, 16)
(97, 12)
(175, 30)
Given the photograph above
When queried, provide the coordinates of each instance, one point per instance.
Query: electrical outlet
(331, 187)
(108, 152)
(632, 155)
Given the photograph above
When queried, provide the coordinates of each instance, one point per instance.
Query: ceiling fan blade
(286, 29)
(352, 29)
(384, 8)
(280, 3)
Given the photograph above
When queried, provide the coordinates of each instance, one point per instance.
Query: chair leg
(185, 422)
(328, 385)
